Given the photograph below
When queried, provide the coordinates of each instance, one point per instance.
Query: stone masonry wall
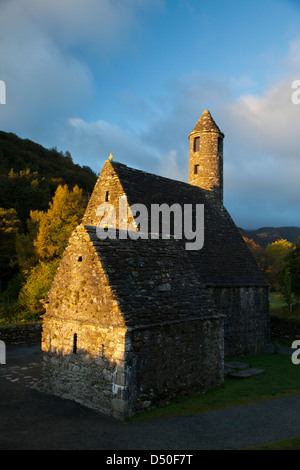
(24, 334)
(210, 164)
(120, 373)
(177, 359)
(108, 190)
(90, 369)
(247, 321)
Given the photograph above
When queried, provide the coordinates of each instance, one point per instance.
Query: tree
(292, 262)
(276, 253)
(56, 225)
(280, 248)
(286, 288)
(46, 240)
(260, 255)
(9, 226)
(24, 191)
(36, 288)
(25, 249)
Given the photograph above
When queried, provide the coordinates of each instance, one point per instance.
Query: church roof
(225, 259)
(154, 281)
(206, 124)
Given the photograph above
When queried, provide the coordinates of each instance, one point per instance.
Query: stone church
(132, 323)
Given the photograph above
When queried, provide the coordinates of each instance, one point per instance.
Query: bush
(34, 289)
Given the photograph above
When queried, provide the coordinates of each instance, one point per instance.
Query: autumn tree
(56, 225)
(292, 263)
(53, 229)
(276, 254)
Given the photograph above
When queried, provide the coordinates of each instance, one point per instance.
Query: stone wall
(210, 164)
(121, 372)
(285, 328)
(108, 190)
(90, 369)
(179, 359)
(247, 320)
(25, 334)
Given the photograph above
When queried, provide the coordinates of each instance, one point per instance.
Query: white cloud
(48, 51)
(47, 54)
(92, 142)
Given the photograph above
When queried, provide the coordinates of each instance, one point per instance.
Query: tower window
(75, 343)
(220, 144)
(80, 259)
(196, 144)
(196, 169)
(107, 196)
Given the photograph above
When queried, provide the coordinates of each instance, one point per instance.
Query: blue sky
(132, 77)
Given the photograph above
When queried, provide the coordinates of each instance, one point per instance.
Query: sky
(132, 78)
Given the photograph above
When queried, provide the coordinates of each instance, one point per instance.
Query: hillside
(20, 154)
(30, 174)
(265, 235)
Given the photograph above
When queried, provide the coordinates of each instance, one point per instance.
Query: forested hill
(265, 235)
(30, 174)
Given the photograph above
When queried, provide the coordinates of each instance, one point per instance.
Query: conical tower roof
(206, 124)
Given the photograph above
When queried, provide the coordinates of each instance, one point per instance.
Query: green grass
(280, 378)
(285, 444)
(276, 301)
(278, 308)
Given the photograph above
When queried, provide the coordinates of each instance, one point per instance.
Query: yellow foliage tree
(53, 229)
(56, 225)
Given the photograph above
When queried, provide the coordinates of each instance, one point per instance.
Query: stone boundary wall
(31, 333)
(27, 334)
(285, 328)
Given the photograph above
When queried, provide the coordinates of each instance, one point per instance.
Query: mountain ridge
(265, 235)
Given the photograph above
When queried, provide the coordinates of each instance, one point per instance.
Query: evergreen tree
(9, 226)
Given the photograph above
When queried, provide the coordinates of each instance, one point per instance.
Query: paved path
(30, 419)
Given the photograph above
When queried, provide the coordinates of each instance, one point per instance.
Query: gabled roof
(225, 259)
(154, 281)
(206, 124)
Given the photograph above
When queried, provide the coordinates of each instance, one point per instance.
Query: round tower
(206, 157)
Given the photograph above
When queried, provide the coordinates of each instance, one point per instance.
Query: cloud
(92, 143)
(48, 55)
(53, 57)
(261, 155)
(263, 162)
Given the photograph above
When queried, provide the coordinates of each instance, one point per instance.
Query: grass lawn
(280, 378)
(278, 308)
(285, 444)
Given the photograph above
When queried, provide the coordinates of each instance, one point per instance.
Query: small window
(75, 343)
(220, 144)
(197, 144)
(196, 169)
(107, 196)
(80, 259)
